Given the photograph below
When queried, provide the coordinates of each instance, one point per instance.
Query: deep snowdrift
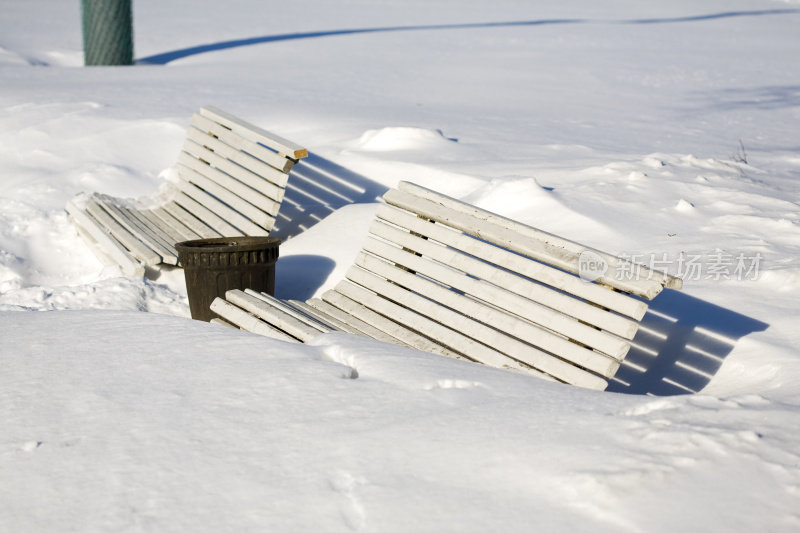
(667, 133)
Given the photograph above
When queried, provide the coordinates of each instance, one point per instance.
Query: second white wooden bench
(231, 178)
(446, 277)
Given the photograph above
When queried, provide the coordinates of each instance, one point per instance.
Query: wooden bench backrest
(233, 174)
(438, 272)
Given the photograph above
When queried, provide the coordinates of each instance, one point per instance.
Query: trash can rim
(227, 244)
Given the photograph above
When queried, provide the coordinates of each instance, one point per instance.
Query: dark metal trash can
(214, 266)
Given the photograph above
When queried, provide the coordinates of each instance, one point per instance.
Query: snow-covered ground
(664, 131)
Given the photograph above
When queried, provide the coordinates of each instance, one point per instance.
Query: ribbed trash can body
(215, 266)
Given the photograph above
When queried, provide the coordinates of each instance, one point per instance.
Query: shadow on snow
(318, 187)
(297, 277)
(168, 57)
(680, 346)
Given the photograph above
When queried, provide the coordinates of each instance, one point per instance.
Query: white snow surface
(665, 131)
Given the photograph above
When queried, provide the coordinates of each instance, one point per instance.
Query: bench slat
(347, 322)
(165, 249)
(234, 140)
(234, 178)
(483, 323)
(557, 279)
(223, 322)
(520, 295)
(248, 322)
(327, 320)
(177, 211)
(445, 338)
(127, 219)
(138, 249)
(292, 310)
(158, 218)
(122, 212)
(485, 296)
(483, 343)
(129, 266)
(261, 176)
(514, 237)
(275, 316)
(534, 302)
(225, 215)
(649, 275)
(372, 310)
(216, 183)
(105, 243)
(276, 142)
(153, 224)
(183, 232)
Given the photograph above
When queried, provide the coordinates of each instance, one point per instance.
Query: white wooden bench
(447, 277)
(231, 178)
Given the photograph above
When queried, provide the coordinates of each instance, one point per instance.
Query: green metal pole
(107, 32)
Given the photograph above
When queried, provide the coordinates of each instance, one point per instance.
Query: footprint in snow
(353, 513)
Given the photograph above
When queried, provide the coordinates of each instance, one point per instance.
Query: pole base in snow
(107, 32)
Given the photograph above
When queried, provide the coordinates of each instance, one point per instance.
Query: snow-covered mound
(401, 138)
